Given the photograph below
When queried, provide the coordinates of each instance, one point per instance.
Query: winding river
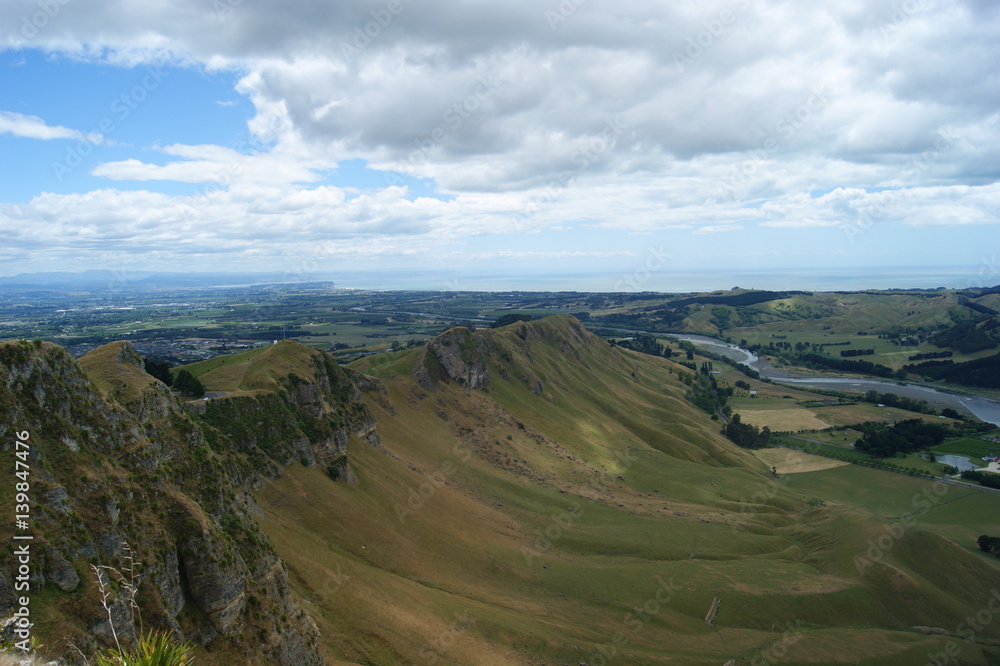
(983, 408)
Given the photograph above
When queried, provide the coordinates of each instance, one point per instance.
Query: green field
(975, 448)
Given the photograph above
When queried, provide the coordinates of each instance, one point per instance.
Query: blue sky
(524, 138)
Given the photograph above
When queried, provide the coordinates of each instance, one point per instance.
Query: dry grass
(792, 419)
(788, 461)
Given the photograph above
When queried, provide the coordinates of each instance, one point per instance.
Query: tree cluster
(926, 356)
(646, 344)
(862, 367)
(159, 369)
(989, 544)
(883, 441)
(899, 401)
(746, 435)
(969, 337)
(988, 479)
(189, 385)
(984, 372)
(512, 318)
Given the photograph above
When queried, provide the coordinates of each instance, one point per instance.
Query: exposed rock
(455, 355)
(110, 545)
(119, 462)
(60, 571)
(166, 576)
(216, 579)
(57, 500)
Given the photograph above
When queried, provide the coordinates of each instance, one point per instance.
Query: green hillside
(530, 494)
(574, 506)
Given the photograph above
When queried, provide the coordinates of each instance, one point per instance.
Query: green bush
(157, 648)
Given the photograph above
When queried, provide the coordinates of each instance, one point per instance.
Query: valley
(532, 493)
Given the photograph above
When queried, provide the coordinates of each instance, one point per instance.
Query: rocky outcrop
(216, 578)
(456, 355)
(59, 571)
(122, 475)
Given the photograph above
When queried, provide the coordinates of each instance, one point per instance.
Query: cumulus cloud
(612, 115)
(33, 127)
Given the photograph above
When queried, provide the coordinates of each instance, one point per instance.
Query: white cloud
(717, 229)
(33, 127)
(626, 116)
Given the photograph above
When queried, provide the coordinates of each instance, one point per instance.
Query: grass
(255, 370)
(814, 445)
(461, 547)
(789, 419)
(968, 446)
(114, 374)
(885, 494)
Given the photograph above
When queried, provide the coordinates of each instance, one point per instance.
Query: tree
(189, 385)
(746, 435)
(159, 369)
(510, 319)
(989, 544)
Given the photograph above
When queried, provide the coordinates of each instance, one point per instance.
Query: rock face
(60, 571)
(216, 578)
(309, 421)
(456, 355)
(122, 476)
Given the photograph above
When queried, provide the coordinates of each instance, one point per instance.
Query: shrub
(157, 648)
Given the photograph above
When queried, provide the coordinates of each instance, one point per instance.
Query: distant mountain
(117, 281)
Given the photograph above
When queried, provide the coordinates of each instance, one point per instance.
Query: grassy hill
(260, 369)
(544, 497)
(524, 495)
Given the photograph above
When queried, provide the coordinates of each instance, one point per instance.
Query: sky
(528, 138)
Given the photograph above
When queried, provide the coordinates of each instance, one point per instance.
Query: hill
(124, 476)
(549, 498)
(521, 495)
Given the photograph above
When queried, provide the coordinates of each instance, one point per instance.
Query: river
(983, 408)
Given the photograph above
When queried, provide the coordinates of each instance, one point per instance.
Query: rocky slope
(125, 476)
